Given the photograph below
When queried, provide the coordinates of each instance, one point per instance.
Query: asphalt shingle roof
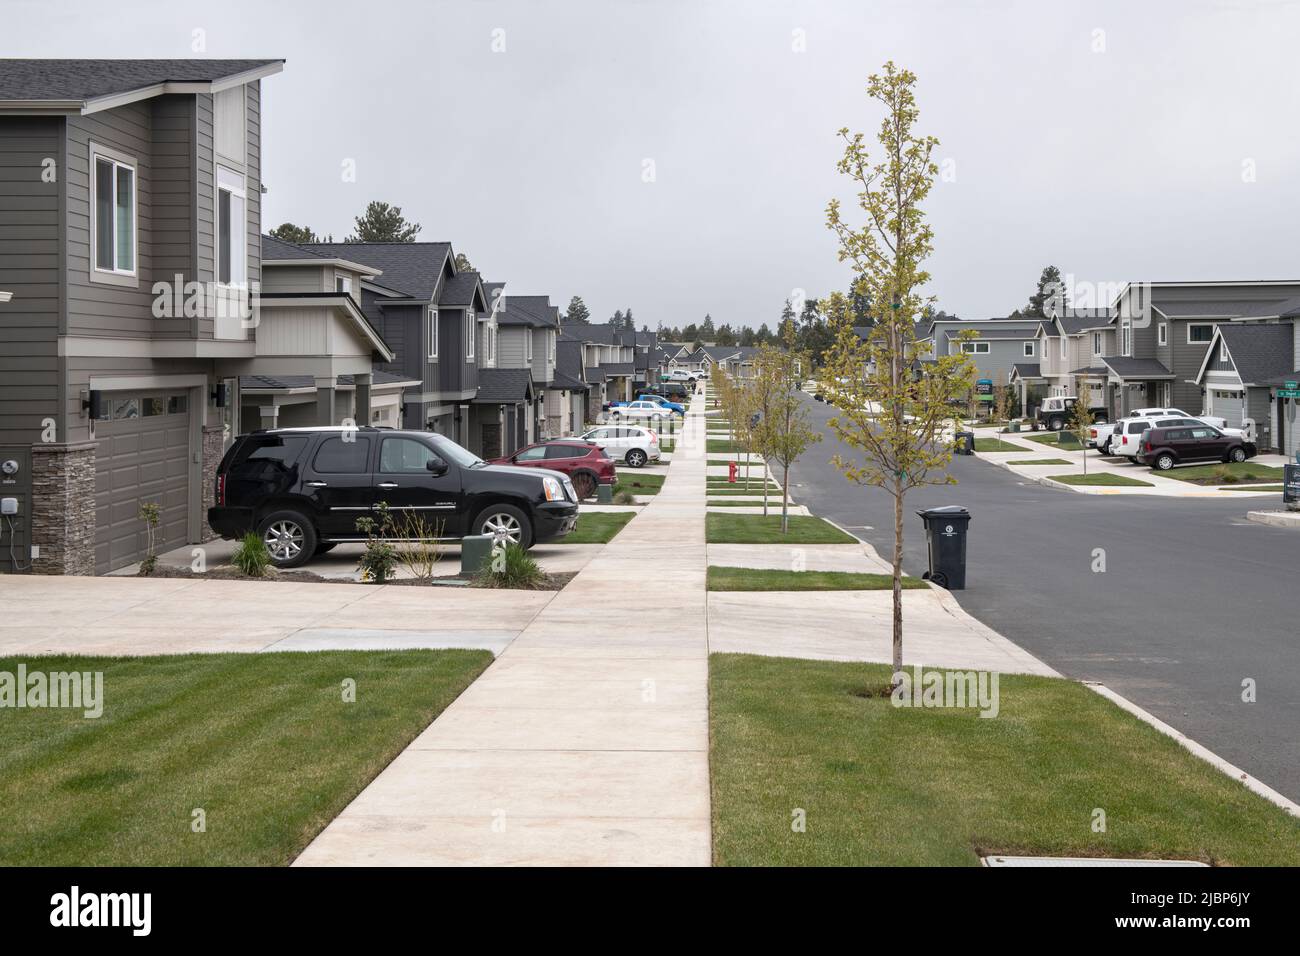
(1136, 368)
(1259, 352)
(53, 80)
(503, 386)
(413, 268)
(274, 249)
(568, 358)
(307, 381)
(1286, 309)
(458, 292)
(1027, 370)
(534, 311)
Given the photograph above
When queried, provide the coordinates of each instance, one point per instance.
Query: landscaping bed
(766, 529)
(723, 578)
(263, 744)
(551, 581)
(1224, 473)
(881, 785)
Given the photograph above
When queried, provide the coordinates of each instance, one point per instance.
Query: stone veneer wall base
(63, 508)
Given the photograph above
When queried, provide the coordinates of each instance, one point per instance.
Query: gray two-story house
(130, 225)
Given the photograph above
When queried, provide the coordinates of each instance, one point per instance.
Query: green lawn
(769, 579)
(1225, 473)
(996, 444)
(638, 483)
(597, 527)
(773, 504)
(1044, 461)
(723, 446)
(262, 743)
(766, 529)
(1102, 478)
(667, 444)
(773, 494)
(1251, 488)
(893, 786)
(1065, 439)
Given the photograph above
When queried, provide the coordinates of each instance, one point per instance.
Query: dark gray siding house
(129, 237)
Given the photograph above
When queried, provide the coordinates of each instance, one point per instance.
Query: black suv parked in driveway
(1162, 448)
(302, 489)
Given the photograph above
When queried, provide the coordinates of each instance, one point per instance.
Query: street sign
(1288, 392)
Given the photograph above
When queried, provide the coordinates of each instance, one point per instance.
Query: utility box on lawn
(945, 538)
(475, 553)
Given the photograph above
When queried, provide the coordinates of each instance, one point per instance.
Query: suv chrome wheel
(636, 458)
(501, 524)
(283, 539)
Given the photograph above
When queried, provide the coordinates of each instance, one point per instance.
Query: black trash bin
(945, 537)
(965, 443)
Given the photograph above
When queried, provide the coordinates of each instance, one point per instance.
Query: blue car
(656, 399)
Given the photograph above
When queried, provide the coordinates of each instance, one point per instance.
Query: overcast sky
(1115, 140)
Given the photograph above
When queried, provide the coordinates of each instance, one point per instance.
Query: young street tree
(783, 432)
(896, 420)
(1081, 420)
(383, 223)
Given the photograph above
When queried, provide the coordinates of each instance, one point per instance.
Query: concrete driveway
(127, 616)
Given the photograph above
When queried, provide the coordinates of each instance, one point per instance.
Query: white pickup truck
(1105, 434)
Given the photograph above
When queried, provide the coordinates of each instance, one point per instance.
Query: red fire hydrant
(731, 472)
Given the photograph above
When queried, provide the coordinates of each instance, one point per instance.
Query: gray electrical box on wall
(15, 508)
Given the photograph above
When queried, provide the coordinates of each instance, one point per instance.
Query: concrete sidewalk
(586, 741)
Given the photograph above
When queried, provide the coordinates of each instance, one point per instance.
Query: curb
(1275, 519)
(1209, 756)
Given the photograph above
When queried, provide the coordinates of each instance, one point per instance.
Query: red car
(586, 464)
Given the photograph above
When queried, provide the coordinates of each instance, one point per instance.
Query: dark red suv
(1162, 448)
(586, 464)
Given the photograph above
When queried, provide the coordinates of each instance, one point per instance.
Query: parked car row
(1164, 437)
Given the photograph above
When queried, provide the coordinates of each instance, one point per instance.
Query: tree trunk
(898, 582)
(764, 487)
(785, 499)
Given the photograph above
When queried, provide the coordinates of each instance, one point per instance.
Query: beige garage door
(143, 455)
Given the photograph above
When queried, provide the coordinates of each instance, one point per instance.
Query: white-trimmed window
(1029, 350)
(1096, 343)
(232, 228)
(1065, 347)
(1199, 333)
(342, 284)
(975, 348)
(550, 347)
(471, 332)
(1162, 333)
(1126, 337)
(112, 213)
(433, 332)
(528, 345)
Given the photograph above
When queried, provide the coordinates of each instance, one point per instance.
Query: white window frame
(119, 161)
(1126, 337)
(1162, 333)
(1096, 343)
(1029, 349)
(1199, 325)
(1065, 347)
(345, 281)
(550, 346)
(528, 344)
(471, 333)
(431, 322)
(239, 237)
(975, 348)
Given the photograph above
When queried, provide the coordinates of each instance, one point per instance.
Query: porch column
(270, 415)
(325, 399)
(362, 401)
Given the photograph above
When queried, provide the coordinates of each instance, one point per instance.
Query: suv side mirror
(436, 467)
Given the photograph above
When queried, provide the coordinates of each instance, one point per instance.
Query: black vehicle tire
(635, 458)
(1237, 454)
(1164, 461)
(584, 484)
(507, 519)
(1055, 423)
(290, 538)
(325, 547)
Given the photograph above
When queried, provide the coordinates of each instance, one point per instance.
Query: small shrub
(251, 556)
(380, 559)
(511, 567)
(151, 514)
(625, 497)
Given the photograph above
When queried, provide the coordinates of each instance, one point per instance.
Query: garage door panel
(140, 460)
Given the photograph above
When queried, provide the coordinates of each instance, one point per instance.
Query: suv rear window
(1137, 428)
(565, 451)
(256, 455)
(338, 457)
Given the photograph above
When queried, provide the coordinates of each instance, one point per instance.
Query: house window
(113, 215)
(528, 345)
(343, 284)
(1065, 347)
(1224, 360)
(232, 228)
(433, 333)
(1162, 333)
(975, 348)
(1126, 337)
(470, 323)
(1096, 343)
(550, 347)
(1199, 333)
(1029, 350)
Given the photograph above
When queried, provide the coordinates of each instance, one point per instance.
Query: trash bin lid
(947, 511)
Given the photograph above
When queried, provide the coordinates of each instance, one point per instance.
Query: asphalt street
(1194, 599)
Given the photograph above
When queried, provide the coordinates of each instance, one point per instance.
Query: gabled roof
(462, 291)
(618, 368)
(1025, 370)
(1136, 368)
(1077, 321)
(277, 252)
(594, 374)
(568, 358)
(86, 86)
(492, 293)
(503, 386)
(534, 311)
(1090, 370)
(413, 268)
(1260, 353)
